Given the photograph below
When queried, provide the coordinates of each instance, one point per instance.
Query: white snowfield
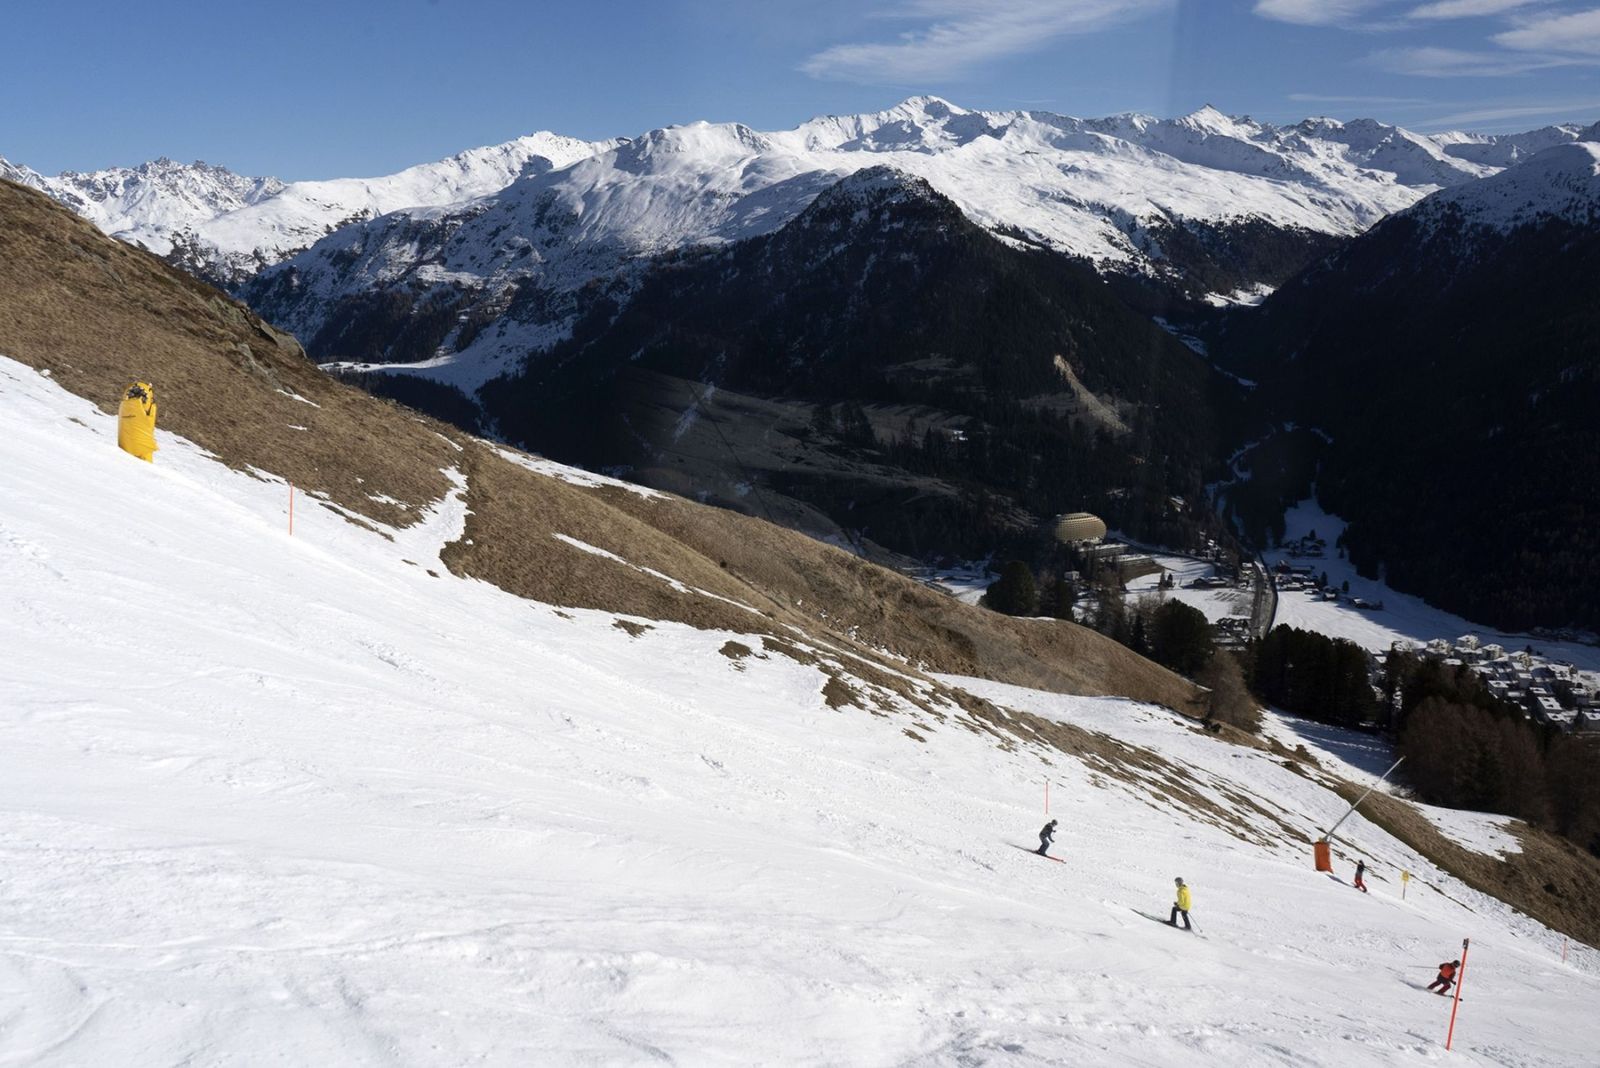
(1562, 182)
(1216, 604)
(1403, 618)
(296, 800)
(244, 218)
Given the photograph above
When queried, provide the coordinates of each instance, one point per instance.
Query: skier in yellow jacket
(1181, 905)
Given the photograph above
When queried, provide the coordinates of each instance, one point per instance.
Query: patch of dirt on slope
(1141, 769)
(829, 587)
(1551, 880)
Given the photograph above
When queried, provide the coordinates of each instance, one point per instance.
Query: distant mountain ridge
(466, 295)
(225, 227)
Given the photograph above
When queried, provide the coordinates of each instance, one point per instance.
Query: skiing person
(1181, 905)
(1361, 870)
(1047, 835)
(1447, 977)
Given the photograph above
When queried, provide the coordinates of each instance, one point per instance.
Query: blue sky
(358, 87)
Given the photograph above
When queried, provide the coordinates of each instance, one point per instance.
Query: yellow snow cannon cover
(136, 421)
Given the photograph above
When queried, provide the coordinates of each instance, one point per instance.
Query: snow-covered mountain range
(227, 226)
(529, 222)
(1124, 192)
(149, 203)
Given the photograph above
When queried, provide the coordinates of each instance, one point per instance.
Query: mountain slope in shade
(882, 369)
(1451, 354)
(1206, 202)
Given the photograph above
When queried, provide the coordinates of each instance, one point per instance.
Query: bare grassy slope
(99, 314)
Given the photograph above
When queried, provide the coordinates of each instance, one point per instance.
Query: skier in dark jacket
(1361, 871)
(1447, 977)
(1047, 835)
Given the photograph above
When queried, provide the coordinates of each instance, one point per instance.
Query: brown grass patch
(634, 629)
(840, 694)
(1551, 880)
(99, 314)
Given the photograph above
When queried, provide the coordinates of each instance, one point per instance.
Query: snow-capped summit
(303, 212)
(228, 226)
(1505, 150)
(1560, 183)
(148, 203)
(1099, 188)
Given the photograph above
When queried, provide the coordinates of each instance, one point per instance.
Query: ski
(1036, 853)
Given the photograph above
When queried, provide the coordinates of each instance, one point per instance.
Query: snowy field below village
(1214, 603)
(1402, 618)
(298, 800)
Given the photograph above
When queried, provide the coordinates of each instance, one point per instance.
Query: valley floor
(1402, 618)
(314, 800)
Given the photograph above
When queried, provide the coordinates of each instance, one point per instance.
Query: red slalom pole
(291, 509)
(1047, 795)
(1461, 977)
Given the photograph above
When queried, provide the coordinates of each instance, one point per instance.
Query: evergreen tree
(1180, 637)
(1014, 592)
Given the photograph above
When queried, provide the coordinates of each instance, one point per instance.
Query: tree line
(1466, 748)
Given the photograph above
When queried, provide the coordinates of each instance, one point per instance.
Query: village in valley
(1309, 584)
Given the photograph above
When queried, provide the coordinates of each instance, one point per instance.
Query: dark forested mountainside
(1456, 368)
(883, 362)
(1203, 256)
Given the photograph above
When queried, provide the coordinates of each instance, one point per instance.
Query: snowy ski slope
(298, 800)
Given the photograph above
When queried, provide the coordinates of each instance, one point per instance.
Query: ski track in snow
(296, 795)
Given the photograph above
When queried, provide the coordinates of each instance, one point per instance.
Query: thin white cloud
(1379, 14)
(1467, 9)
(1315, 12)
(1564, 110)
(1578, 32)
(1432, 62)
(959, 35)
(1322, 98)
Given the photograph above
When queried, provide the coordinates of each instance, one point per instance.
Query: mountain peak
(1562, 182)
(933, 106)
(1209, 119)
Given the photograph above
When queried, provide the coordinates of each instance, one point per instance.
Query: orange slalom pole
(1461, 977)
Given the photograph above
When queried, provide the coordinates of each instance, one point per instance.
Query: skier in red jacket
(1447, 978)
(1361, 871)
